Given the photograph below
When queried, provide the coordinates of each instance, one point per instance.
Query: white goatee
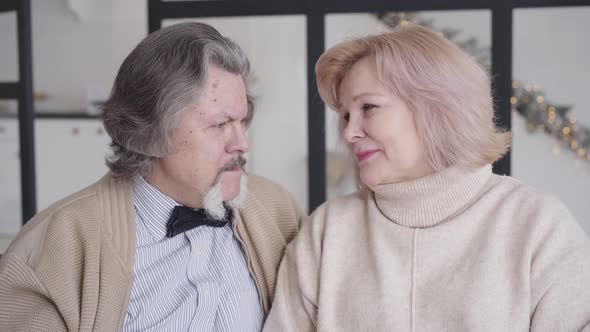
(213, 199)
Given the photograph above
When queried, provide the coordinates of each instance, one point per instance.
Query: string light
(551, 116)
(556, 121)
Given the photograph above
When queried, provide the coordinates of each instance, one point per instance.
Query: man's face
(211, 134)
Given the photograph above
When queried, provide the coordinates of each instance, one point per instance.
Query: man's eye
(221, 125)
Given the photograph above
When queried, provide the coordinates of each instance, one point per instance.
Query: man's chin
(235, 193)
(230, 185)
(230, 194)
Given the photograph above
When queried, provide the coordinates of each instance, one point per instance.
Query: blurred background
(52, 142)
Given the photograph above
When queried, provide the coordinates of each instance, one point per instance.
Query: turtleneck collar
(433, 199)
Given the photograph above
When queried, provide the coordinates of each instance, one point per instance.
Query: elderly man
(168, 239)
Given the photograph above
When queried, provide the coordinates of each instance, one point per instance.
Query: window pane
(551, 127)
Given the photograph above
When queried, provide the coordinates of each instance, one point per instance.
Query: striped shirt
(195, 281)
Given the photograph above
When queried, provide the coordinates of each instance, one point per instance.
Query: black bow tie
(184, 219)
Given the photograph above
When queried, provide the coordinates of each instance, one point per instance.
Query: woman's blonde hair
(447, 91)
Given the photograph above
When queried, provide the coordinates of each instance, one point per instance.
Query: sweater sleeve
(24, 303)
(295, 303)
(560, 275)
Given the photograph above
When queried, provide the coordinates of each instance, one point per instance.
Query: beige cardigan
(71, 266)
(455, 251)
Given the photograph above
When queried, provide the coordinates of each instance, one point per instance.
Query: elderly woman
(433, 241)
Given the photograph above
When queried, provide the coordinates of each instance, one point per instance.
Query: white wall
(73, 56)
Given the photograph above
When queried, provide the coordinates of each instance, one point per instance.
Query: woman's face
(379, 129)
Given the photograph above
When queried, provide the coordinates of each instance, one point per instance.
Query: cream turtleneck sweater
(455, 251)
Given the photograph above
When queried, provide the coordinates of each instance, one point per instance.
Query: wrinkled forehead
(223, 91)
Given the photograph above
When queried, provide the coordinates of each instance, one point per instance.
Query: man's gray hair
(155, 83)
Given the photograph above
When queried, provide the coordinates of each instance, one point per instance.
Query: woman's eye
(346, 117)
(368, 107)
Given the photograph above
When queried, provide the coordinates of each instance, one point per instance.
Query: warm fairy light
(515, 84)
(581, 153)
(551, 109)
(403, 23)
(566, 130)
(572, 120)
(513, 100)
(528, 87)
(540, 99)
(574, 144)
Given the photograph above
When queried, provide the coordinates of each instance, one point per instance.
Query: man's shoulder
(73, 214)
(269, 193)
(259, 185)
(269, 200)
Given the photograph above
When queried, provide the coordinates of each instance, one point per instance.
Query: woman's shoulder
(539, 214)
(510, 189)
(344, 204)
(338, 210)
